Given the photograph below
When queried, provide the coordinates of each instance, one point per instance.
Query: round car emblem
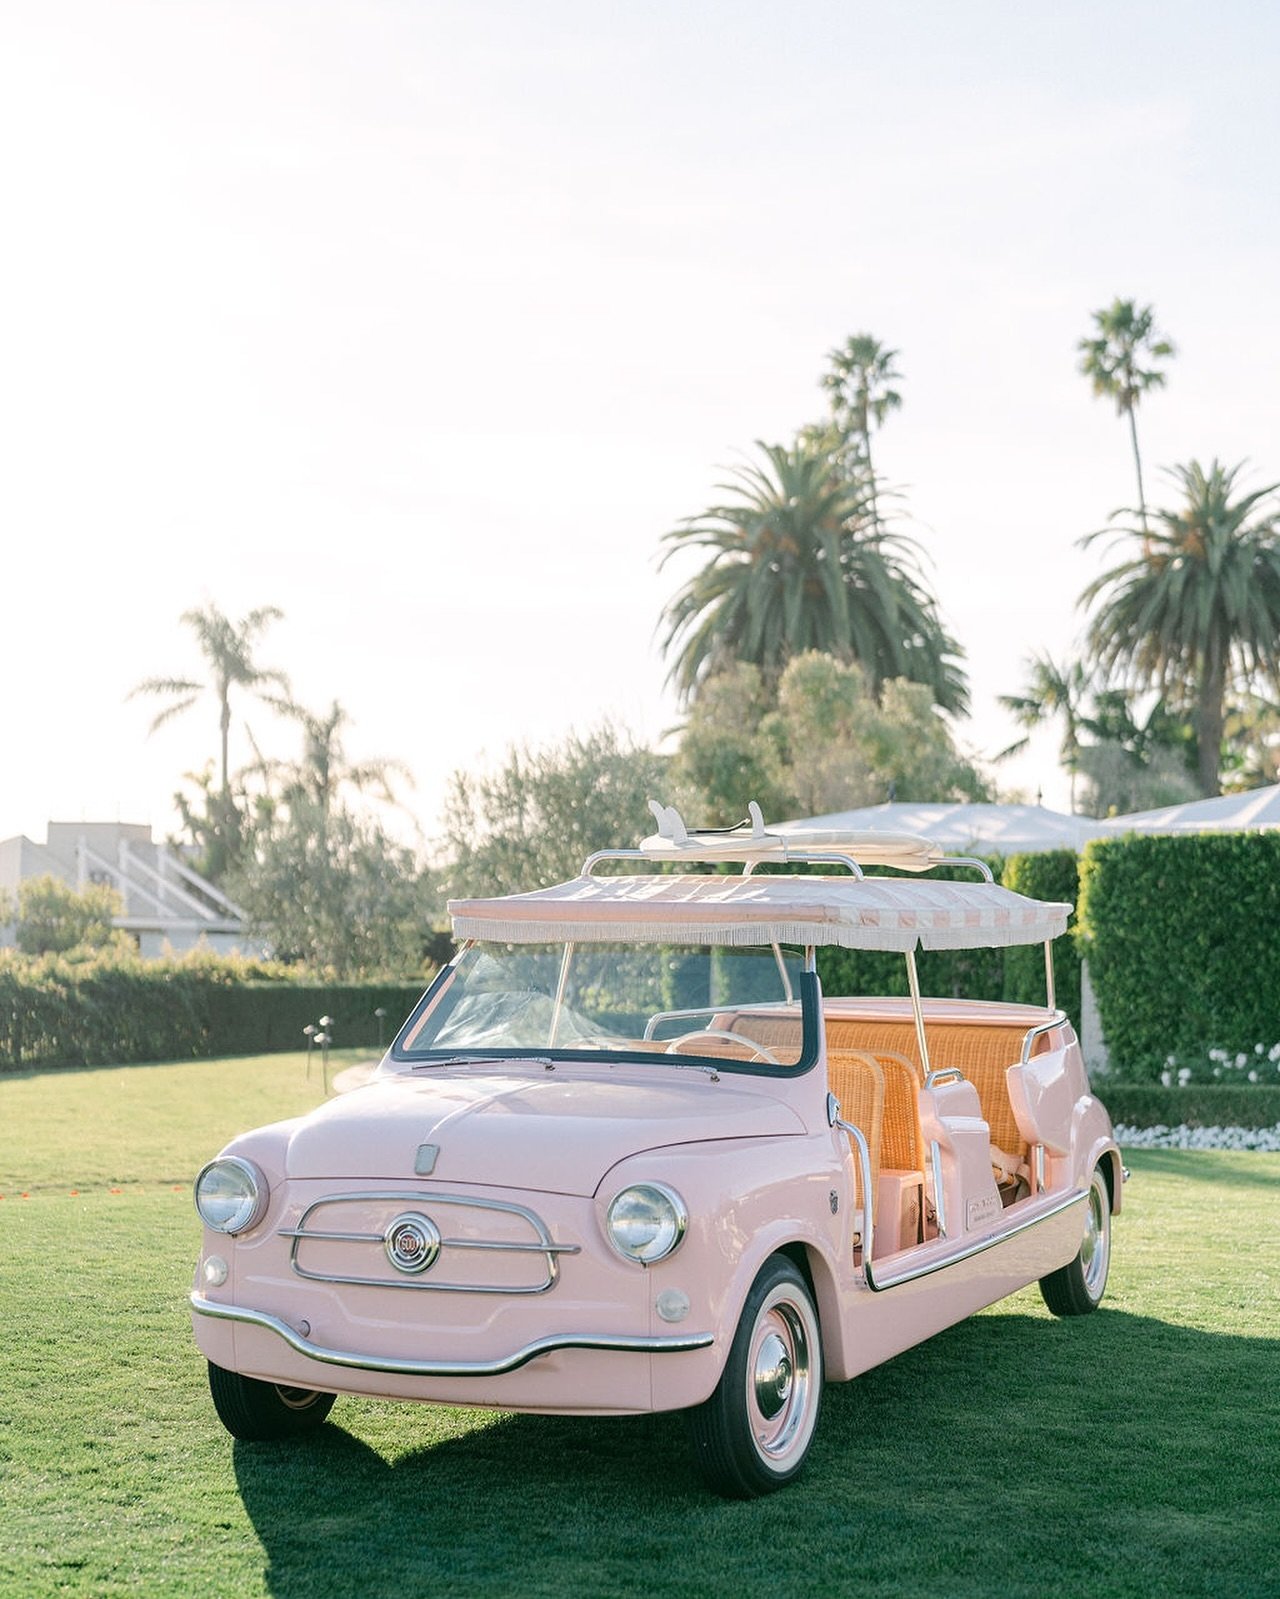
(412, 1242)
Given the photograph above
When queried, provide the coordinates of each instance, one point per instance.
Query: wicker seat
(901, 1140)
(982, 1052)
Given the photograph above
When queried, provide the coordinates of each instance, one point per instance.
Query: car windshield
(742, 1007)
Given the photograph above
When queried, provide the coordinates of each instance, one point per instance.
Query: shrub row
(1197, 1105)
(1182, 936)
(104, 1012)
(1054, 875)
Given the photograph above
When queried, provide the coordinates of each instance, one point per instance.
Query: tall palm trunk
(1071, 757)
(1210, 717)
(1142, 496)
(864, 427)
(224, 726)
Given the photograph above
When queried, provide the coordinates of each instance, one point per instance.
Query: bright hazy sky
(424, 321)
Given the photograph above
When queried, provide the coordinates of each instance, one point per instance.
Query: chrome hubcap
(296, 1398)
(1095, 1247)
(781, 1385)
(773, 1376)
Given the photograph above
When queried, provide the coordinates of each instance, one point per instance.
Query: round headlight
(646, 1222)
(231, 1194)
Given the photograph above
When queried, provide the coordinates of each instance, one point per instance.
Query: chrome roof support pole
(1052, 1003)
(913, 980)
(558, 1007)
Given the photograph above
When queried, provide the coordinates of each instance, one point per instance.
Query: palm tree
(1196, 609)
(1052, 690)
(1124, 336)
(796, 564)
(324, 767)
(858, 380)
(227, 648)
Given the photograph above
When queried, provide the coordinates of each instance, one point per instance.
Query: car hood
(552, 1133)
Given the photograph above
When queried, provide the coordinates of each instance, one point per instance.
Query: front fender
(747, 1199)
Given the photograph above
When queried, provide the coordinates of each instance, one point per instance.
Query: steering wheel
(758, 1051)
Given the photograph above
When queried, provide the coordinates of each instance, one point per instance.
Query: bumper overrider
(662, 1344)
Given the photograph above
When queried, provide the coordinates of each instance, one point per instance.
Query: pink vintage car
(626, 1156)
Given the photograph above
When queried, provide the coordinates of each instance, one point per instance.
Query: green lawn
(1134, 1452)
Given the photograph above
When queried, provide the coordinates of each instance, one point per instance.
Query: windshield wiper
(483, 1060)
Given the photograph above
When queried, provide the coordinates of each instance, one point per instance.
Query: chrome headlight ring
(231, 1194)
(646, 1222)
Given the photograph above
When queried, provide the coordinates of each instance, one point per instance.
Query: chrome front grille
(383, 1239)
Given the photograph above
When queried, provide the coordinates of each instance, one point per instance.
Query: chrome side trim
(676, 1343)
(868, 1197)
(978, 1247)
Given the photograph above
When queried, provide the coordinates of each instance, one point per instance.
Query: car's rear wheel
(260, 1412)
(753, 1434)
(1077, 1288)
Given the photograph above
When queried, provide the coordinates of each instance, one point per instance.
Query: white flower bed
(1266, 1139)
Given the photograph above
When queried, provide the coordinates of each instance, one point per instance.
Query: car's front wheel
(753, 1434)
(1077, 1288)
(261, 1412)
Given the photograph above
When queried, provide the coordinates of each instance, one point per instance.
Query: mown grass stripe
(1126, 1454)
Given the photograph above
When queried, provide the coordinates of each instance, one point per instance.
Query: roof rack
(752, 844)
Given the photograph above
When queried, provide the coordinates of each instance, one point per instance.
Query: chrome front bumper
(672, 1344)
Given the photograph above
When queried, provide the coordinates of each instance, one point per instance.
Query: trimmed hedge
(1182, 936)
(1054, 876)
(101, 1013)
(1197, 1105)
(945, 973)
(259, 1018)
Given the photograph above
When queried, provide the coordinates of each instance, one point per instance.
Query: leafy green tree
(1252, 753)
(1124, 338)
(213, 824)
(228, 651)
(332, 891)
(797, 563)
(324, 768)
(829, 744)
(1194, 609)
(858, 381)
(732, 750)
(53, 917)
(1053, 691)
(537, 817)
(847, 747)
(1117, 780)
(1133, 762)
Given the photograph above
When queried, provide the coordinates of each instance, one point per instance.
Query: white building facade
(168, 907)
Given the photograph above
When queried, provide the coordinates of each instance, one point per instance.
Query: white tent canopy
(1227, 813)
(993, 829)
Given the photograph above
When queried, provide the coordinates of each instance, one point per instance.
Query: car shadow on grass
(1113, 1455)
